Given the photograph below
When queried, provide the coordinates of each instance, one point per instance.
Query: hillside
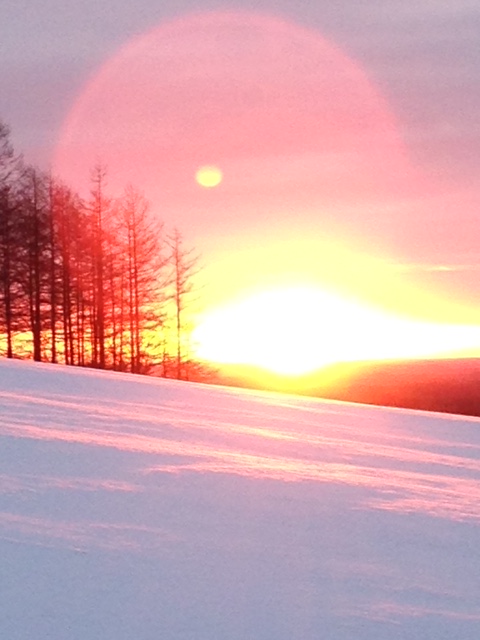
(133, 507)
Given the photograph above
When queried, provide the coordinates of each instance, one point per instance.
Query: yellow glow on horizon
(296, 330)
(288, 258)
(209, 177)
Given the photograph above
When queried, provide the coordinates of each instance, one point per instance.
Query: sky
(347, 134)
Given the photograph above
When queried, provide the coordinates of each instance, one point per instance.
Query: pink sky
(353, 125)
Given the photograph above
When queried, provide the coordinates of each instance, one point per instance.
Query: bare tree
(35, 230)
(89, 283)
(11, 168)
(143, 275)
(184, 264)
(100, 207)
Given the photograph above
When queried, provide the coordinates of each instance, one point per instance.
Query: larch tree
(143, 277)
(11, 168)
(100, 208)
(68, 244)
(34, 256)
(184, 266)
(89, 283)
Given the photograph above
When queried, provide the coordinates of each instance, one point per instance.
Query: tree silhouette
(184, 266)
(11, 168)
(92, 283)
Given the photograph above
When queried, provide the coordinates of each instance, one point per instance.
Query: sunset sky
(330, 148)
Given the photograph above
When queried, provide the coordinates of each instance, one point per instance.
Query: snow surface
(143, 509)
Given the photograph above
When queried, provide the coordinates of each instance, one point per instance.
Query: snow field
(133, 507)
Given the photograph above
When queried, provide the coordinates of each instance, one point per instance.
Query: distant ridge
(441, 385)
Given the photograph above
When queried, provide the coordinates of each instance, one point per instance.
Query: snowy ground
(142, 509)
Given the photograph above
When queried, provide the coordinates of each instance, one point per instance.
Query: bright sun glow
(299, 329)
(209, 177)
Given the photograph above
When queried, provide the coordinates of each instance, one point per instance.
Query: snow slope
(138, 508)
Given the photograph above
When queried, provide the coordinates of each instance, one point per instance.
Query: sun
(290, 330)
(295, 330)
(209, 176)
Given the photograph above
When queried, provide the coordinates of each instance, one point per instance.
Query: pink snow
(135, 507)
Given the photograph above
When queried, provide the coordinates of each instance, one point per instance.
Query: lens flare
(209, 177)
